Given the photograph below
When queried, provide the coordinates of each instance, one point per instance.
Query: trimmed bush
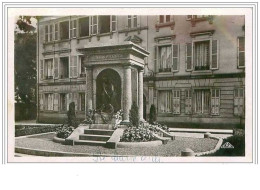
(133, 115)
(22, 130)
(152, 114)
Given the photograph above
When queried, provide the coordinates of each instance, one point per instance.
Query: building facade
(192, 68)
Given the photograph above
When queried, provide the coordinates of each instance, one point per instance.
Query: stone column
(127, 93)
(140, 93)
(89, 89)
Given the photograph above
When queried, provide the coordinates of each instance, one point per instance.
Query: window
(48, 33)
(48, 101)
(201, 55)
(215, 101)
(56, 31)
(64, 67)
(241, 52)
(114, 23)
(84, 27)
(56, 102)
(104, 24)
(188, 101)
(202, 101)
(41, 100)
(176, 101)
(165, 58)
(189, 17)
(41, 70)
(132, 21)
(164, 18)
(165, 101)
(82, 101)
(48, 68)
(63, 105)
(64, 30)
(239, 101)
(73, 29)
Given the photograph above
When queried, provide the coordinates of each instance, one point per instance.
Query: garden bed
(31, 129)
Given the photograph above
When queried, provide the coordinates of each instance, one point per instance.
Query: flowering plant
(118, 114)
(64, 131)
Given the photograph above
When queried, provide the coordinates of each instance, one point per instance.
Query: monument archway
(108, 94)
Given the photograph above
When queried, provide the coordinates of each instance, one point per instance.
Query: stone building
(192, 68)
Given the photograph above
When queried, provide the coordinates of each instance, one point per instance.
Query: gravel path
(172, 148)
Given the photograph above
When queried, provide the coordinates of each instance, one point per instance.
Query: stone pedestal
(89, 89)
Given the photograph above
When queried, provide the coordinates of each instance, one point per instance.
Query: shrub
(72, 116)
(64, 131)
(133, 115)
(22, 130)
(152, 114)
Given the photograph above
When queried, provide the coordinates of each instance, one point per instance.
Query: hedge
(22, 130)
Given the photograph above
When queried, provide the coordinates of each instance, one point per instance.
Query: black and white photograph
(131, 86)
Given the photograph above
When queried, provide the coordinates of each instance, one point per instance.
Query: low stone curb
(48, 153)
(217, 147)
(58, 140)
(139, 144)
(26, 136)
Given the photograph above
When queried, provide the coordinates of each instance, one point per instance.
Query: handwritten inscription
(154, 159)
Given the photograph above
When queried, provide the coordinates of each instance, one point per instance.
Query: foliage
(137, 134)
(25, 67)
(118, 115)
(237, 140)
(142, 133)
(22, 130)
(152, 114)
(64, 131)
(133, 115)
(24, 23)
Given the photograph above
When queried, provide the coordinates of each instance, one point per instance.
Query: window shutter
(188, 101)
(41, 69)
(241, 52)
(188, 56)
(75, 66)
(176, 101)
(56, 102)
(56, 67)
(51, 101)
(236, 102)
(214, 49)
(155, 58)
(75, 100)
(138, 20)
(215, 101)
(175, 57)
(41, 96)
(71, 66)
(113, 24)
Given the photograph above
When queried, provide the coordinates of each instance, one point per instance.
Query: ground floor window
(202, 101)
(82, 101)
(165, 101)
(63, 105)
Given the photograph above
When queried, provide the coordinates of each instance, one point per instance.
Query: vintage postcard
(130, 84)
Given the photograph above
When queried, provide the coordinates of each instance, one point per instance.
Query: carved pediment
(135, 39)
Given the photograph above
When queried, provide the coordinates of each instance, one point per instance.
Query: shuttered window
(214, 61)
(56, 31)
(62, 103)
(239, 101)
(68, 100)
(94, 25)
(175, 57)
(165, 101)
(241, 52)
(76, 100)
(113, 23)
(215, 101)
(132, 21)
(201, 55)
(188, 101)
(202, 101)
(82, 100)
(56, 68)
(176, 101)
(188, 56)
(48, 101)
(165, 58)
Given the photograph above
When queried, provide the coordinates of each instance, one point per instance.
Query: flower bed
(142, 133)
(23, 130)
(64, 131)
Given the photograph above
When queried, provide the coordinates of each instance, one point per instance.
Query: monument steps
(94, 137)
(88, 142)
(98, 131)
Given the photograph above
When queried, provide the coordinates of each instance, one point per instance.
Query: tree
(133, 115)
(25, 60)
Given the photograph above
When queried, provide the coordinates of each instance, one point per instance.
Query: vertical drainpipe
(38, 62)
